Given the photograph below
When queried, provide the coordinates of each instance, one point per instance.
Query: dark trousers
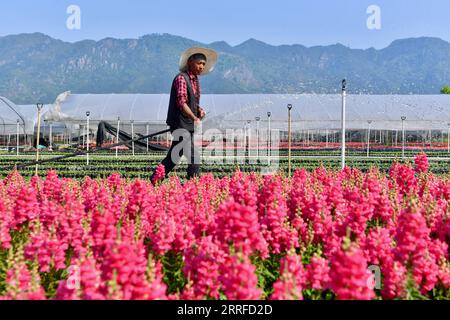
(174, 156)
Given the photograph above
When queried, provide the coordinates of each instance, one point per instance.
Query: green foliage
(172, 264)
(445, 90)
(267, 271)
(102, 166)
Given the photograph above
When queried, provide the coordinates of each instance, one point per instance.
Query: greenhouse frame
(313, 115)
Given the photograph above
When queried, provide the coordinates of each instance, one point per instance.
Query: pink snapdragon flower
(160, 174)
(292, 280)
(238, 279)
(349, 276)
(421, 163)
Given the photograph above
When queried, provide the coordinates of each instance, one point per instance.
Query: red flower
(238, 225)
(421, 162)
(349, 276)
(238, 279)
(292, 279)
(160, 174)
(318, 273)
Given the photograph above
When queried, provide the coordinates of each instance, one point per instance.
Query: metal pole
(289, 138)
(326, 138)
(344, 94)
(18, 137)
(403, 137)
(257, 137)
(249, 136)
(269, 137)
(132, 136)
(87, 136)
(244, 140)
(39, 107)
(368, 138)
(117, 136)
(431, 137)
(448, 138)
(147, 128)
(50, 148)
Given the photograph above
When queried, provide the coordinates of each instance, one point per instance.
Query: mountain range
(36, 67)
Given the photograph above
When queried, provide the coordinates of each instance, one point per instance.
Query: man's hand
(201, 113)
(187, 112)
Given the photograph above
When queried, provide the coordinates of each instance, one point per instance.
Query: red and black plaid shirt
(182, 91)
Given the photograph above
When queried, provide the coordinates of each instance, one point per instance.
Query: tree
(445, 90)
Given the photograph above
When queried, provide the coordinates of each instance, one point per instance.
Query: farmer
(185, 114)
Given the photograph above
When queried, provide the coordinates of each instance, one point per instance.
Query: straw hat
(211, 59)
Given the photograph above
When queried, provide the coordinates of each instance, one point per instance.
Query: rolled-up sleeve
(181, 88)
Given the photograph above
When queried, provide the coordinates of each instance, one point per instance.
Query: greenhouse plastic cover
(26, 114)
(309, 112)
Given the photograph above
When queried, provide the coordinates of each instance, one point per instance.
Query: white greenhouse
(422, 112)
(429, 114)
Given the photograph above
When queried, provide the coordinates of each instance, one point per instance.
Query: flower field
(317, 235)
(141, 166)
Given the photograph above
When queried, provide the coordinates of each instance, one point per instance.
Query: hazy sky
(319, 22)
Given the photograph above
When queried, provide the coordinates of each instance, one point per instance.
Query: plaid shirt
(182, 91)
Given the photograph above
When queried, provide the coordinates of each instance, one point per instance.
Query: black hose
(82, 152)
